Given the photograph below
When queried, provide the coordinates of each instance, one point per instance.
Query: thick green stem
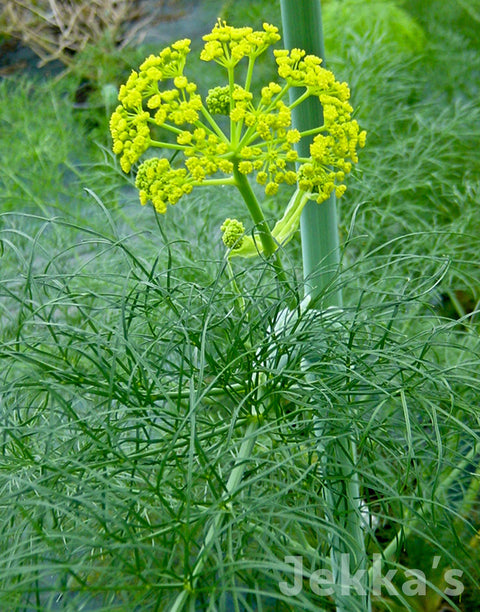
(264, 233)
(302, 28)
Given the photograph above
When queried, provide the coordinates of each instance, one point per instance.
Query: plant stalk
(302, 28)
(264, 233)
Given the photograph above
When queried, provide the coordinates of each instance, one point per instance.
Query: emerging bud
(233, 233)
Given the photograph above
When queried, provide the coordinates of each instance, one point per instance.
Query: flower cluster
(227, 45)
(259, 140)
(326, 170)
(334, 148)
(131, 135)
(205, 153)
(131, 122)
(233, 233)
(158, 182)
(301, 70)
(218, 100)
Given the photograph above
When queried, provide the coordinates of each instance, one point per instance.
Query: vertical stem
(264, 233)
(320, 250)
(302, 28)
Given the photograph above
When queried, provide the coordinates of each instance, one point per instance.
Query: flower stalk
(264, 233)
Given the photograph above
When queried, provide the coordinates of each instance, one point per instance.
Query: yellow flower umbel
(258, 139)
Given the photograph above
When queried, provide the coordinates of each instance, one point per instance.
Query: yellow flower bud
(262, 178)
(271, 189)
(245, 167)
(232, 233)
(180, 82)
(154, 101)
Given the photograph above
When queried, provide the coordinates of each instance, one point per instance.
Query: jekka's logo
(321, 581)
